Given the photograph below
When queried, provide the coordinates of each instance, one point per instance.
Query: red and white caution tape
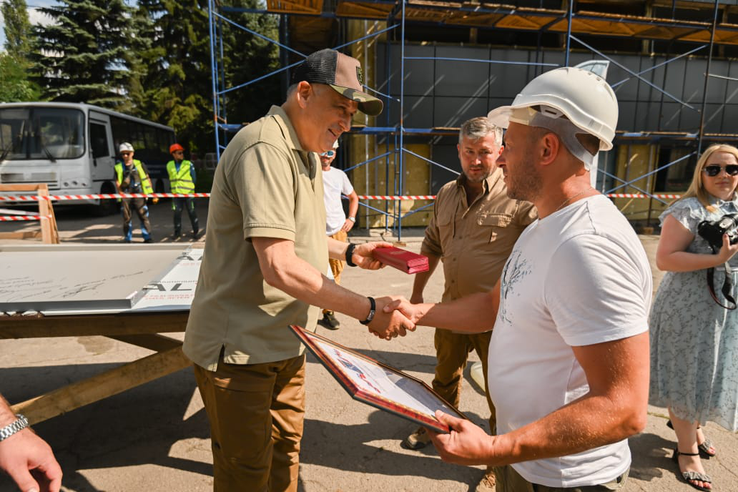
(396, 197)
(106, 196)
(641, 195)
(16, 218)
(101, 196)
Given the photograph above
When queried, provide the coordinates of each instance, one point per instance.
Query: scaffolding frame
(397, 13)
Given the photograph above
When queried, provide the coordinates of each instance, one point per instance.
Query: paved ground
(155, 437)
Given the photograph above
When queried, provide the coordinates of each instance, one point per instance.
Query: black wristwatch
(372, 310)
(349, 254)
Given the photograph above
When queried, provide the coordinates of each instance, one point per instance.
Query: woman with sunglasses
(694, 340)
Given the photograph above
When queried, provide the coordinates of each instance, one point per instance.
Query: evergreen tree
(176, 84)
(248, 57)
(85, 55)
(17, 28)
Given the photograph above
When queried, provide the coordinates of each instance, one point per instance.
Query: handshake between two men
(391, 316)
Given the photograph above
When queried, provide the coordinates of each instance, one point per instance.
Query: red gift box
(402, 259)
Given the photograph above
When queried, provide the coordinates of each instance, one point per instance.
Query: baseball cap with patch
(341, 72)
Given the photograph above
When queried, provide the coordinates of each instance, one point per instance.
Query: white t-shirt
(577, 277)
(335, 182)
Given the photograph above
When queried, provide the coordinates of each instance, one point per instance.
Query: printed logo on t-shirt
(516, 269)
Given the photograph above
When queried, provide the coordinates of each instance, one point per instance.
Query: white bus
(72, 147)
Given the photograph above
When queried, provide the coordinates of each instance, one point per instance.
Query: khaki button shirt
(266, 186)
(474, 241)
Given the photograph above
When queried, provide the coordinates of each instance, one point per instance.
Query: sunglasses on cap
(329, 153)
(713, 170)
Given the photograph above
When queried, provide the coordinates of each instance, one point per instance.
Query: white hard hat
(583, 97)
(125, 147)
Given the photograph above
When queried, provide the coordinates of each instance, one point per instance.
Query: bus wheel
(107, 206)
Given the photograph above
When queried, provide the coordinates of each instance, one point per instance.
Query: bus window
(139, 141)
(41, 133)
(99, 141)
(60, 132)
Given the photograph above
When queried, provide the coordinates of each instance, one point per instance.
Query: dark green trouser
(184, 203)
(508, 480)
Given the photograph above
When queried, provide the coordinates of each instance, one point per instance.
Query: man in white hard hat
(568, 358)
(473, 229)
(131, 176)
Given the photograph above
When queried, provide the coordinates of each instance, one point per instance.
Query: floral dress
(694, 341)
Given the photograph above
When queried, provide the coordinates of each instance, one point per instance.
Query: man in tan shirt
(262, 270)
(473, 229)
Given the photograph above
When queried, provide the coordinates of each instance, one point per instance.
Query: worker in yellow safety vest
(131, 176)
(182, 181)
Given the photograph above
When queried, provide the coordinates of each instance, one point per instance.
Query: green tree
(176, 66)
(17, 28)
(85, 55)
(16, 86)
(248, 57)
(177, 84)
(14, 64)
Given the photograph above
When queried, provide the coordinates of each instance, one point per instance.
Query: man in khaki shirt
(473, 229)
(262, 269)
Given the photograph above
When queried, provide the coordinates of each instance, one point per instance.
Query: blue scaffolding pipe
(707, 79)
(444, 58)
(366, 205)
(430, 161)
(401, 156)
(229, 127)
(569, 13)
(224, 103)
(411, 212)
(722, 77)
(365, 37)
(245, 84)
(616, 84)
(648, 135)
(415, 211)
(279, 70)
(258, 35)
(631, 72)
(386, 96)
(368, 161)
(650, 173)
(631, 185)
(214, 72)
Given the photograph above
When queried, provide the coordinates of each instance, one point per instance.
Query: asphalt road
(155, 437)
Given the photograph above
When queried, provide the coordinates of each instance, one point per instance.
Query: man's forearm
(353, 204)
(614, 408)
(474, 313)
(288, 272)
(587, 423)
(337, 249)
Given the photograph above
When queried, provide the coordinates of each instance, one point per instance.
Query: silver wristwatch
(10, 429)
